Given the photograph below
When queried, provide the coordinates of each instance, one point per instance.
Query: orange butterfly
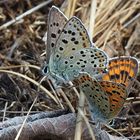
(106, 96)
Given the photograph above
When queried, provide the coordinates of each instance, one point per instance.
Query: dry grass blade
(82, 97)
(31, 80)
(92, 18)
(88, 125)
(25, 14)
(66, 99)
(21, 128)
(74, 2)
(54, 91)
(79, 119)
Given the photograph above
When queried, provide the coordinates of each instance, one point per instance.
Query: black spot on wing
(64, 41)
(53, 35)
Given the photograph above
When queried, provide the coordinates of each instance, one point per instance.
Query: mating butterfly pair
(72, 57)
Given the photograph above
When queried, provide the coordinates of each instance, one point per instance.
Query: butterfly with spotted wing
(69, 49)
(106, 96)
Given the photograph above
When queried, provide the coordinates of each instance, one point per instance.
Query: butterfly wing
(73, 37)
(90, 60)
(97, 98)
(56, 22)
(74, 52)
(105, 98)
(117, 95)
(122, 70)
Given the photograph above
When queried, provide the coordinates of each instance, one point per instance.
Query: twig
(22, 126)
(66, 99)
(92, 18)
(4, 114)
(74, 89)
(25, 14)
(126, 129)
(31, 80)
(55, 93)
(73, 7)
(20, 130)
(79, 119)
(131, 21)
(88, 124)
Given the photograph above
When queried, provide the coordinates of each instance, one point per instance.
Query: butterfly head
(45, 70)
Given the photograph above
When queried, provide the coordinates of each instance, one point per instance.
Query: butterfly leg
(98, 125)
(56, 80)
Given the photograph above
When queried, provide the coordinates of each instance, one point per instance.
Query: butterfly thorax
(55, 74)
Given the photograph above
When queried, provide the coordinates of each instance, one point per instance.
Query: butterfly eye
(45, 70)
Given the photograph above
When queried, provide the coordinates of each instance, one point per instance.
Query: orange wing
(117, 95)
(122, 70)
(106, 98)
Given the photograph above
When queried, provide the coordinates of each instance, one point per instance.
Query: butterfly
(69, 49)
(106, 96)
